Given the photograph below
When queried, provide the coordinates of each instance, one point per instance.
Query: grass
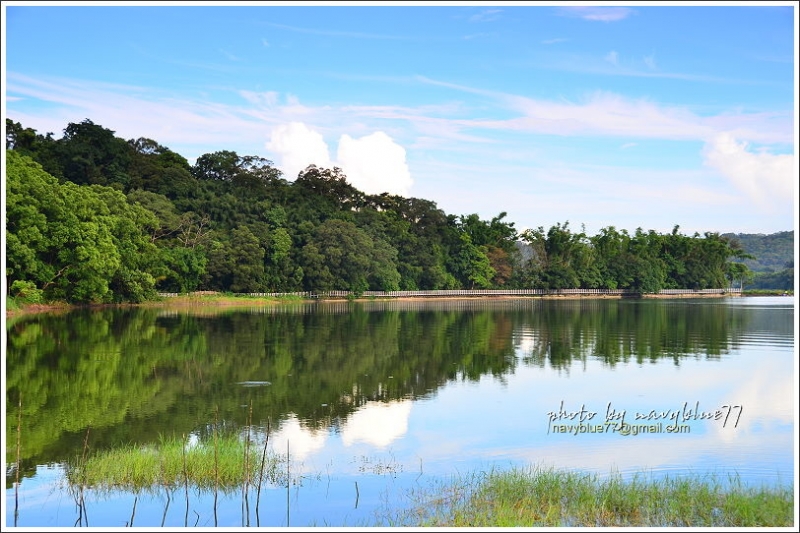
(767, 292)
(517, 497)
(225, 463)
(550, 498)
(11, 304)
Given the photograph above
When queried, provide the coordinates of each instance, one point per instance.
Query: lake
(376, 402)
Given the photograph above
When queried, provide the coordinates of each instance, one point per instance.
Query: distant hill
(774, 259)
(773, 252)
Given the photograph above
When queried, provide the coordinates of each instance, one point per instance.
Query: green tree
(183, 269)
(561, 248)
(471, 265)
(340, 256)
(131, 227)
(236, 265)
(157, 169)
(58, 236)
(497, 241)
(92, 154)
(281, 273)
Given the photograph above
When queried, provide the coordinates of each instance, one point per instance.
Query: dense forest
(91, 217)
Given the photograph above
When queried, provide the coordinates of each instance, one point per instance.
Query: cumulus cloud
(373, 163)
(297, 147)
(763, 176)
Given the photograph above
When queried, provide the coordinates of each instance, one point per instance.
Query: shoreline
(219, 300)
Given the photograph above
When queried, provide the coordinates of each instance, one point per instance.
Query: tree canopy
(94, 218)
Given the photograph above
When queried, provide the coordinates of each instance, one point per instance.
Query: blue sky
(629, 116)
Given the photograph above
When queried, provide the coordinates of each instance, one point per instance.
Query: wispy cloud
(486, 15)
(609, 114)
(650, 61)
(612, 57)
(267, 99)
(596, 13)
(392, 133)
(169, 119)
(602, 114)
(477, 36)
(588, 64)
(230, 56)
(137, 112)
(555, 41)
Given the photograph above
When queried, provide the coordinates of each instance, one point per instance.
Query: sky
(633, 116)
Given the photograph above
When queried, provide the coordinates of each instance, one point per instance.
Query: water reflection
(441, 382)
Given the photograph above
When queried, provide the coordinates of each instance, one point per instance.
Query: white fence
(479, 293)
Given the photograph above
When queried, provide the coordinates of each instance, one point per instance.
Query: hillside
(773, 252)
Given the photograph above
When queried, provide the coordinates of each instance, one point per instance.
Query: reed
(18, 465)
(82, 482)
(550, 498)
(216, 465)
(261, 473)
(519, 497)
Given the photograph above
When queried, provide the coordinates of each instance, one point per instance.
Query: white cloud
(764, 177)
(297, 147)
(444, 130)
(266, 99)
(650, 61)
(612, 57)
(554, 41)
(596, 13)
(604, 114)
(373, 163)
(476, 36)
(301, 442)
(378, 424)
(229, 55)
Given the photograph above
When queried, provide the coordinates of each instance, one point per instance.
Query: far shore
(212, 299)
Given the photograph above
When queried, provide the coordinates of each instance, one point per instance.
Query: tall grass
(550, 498)
(519, 497)
(218, 465)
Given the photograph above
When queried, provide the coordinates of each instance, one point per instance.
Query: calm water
(378, 401)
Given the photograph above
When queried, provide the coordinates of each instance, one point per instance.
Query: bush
(26, 292)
